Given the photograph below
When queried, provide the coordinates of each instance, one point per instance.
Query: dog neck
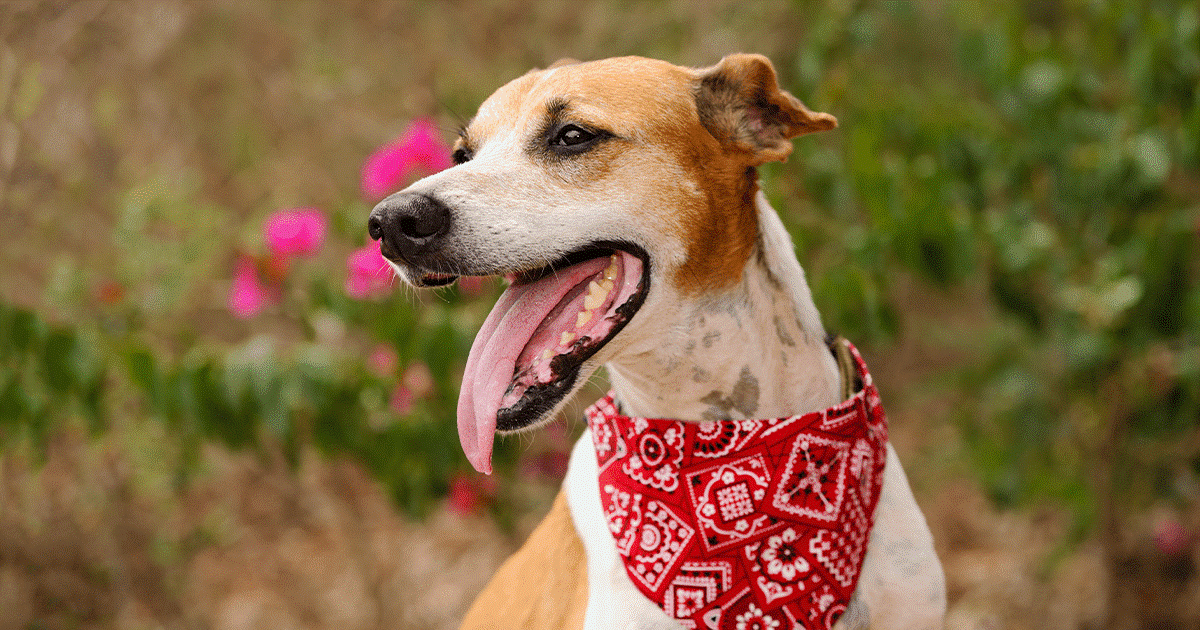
(756, 350)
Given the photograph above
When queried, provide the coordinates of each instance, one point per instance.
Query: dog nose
(405, 223)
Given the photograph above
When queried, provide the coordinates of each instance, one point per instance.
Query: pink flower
(247, 295)
(297, 232)
(419, 148)
(551, 464)
(468, 493)
(464, 496)
(554, 464)
(419, 379)
(382, 361)
(369, 274)
(402, 400)
(1170, 536)
(473, 286)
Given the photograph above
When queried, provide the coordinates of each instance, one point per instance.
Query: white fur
(613, 600)
(781, 260)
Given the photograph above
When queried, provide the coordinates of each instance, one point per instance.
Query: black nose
(407, 223)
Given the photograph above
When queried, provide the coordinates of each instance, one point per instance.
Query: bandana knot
(745, 524)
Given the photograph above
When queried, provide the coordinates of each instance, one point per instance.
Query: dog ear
(740, 104)
(565, 61)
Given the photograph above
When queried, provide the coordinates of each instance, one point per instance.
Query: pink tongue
(493, 358)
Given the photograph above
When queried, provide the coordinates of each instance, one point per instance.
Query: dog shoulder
(542, 586)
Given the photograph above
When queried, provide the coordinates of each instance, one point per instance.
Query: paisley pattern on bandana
(744, 523)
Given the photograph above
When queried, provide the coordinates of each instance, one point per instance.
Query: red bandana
(745, 524)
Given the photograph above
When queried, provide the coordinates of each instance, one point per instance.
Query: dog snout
(407, 224)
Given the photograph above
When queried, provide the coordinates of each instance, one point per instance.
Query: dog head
(605, 191)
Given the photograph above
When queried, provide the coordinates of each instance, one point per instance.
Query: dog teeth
(566, 338)
(597, 293)
(595, 296)
(610, 272)
(546, 354)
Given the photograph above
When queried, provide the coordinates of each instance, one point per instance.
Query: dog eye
(572, 136)
(461, 155)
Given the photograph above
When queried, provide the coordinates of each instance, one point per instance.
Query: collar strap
(840, 347)
(733, 523)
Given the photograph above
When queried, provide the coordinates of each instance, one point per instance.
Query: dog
(620, 199)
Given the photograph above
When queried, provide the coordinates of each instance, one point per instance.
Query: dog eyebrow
(557, 109)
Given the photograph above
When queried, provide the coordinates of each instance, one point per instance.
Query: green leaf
(13, 406)
(91, 399)
(215, 415)
(6, 336)
(1043, 81)
(26, 330)
(143, 371)
(1150, 154)
(60, 356)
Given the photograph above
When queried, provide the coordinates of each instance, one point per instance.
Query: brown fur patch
(543, 586)
(723, 239)
(741, 104)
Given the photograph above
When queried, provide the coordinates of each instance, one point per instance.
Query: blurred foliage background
(1007, 222)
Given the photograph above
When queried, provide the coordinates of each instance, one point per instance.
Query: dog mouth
(527, 356)
(431, 280)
